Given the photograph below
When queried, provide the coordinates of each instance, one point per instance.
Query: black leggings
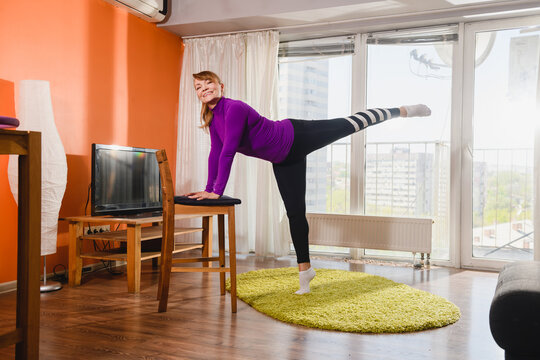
(291, 173)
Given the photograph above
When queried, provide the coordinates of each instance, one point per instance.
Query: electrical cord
(87, 198)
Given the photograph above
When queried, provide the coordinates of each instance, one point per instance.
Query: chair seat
(224, 200)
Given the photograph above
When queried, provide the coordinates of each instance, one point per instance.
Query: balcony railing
(413, 179)
(503, 203)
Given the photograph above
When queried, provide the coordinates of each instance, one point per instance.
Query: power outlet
(96, 229)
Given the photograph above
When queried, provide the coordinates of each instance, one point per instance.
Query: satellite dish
(484, 44)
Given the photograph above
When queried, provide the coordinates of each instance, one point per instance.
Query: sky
(503, 114)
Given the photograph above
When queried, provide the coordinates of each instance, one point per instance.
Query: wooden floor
(100, 320)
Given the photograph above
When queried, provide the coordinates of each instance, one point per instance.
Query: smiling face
(208, 91)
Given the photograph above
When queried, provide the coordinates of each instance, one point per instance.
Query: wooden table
(26, 144)
(136, 231)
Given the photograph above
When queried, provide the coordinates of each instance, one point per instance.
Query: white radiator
(370, 232)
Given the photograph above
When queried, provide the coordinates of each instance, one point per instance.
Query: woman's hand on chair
(203, 195)
(193, 195)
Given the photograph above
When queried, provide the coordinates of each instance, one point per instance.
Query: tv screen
(125, 180)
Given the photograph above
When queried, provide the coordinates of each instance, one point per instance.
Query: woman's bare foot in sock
(414, 110)
(305, 278)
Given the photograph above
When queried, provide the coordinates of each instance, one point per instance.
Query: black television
(125, 181)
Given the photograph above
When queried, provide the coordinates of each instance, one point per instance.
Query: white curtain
(247, 65)
(536, 174)
(536, 184)
(262, 94)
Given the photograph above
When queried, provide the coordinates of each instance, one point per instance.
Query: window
(481, 134)
(407, 170)
(500, 214)
(315, 87)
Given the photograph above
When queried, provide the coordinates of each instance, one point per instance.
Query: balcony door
(499, 120)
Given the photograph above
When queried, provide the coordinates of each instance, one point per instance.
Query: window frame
(460, 212)
(469, 52)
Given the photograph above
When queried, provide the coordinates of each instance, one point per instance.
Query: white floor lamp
(35, 113)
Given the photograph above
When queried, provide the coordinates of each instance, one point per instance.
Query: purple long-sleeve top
(236, 127)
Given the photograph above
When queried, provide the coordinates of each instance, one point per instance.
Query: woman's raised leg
(310, 135)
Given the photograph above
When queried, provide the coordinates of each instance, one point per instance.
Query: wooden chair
(207, 209)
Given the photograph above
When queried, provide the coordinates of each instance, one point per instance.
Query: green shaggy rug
(345, 301)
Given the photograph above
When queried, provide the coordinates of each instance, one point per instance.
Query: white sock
(305, 277)
(417, 110)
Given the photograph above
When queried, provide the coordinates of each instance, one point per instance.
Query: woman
(235, 127)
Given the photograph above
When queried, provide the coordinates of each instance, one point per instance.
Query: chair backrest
(167, 195)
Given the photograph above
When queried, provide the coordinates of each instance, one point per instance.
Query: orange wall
(114, 80)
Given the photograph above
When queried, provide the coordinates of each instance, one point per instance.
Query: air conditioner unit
(149, 10)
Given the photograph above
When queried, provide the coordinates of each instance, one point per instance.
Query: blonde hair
(206, 113)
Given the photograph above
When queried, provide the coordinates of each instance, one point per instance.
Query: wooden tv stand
(136, 231)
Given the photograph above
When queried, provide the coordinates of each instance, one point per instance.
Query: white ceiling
(302, 19)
